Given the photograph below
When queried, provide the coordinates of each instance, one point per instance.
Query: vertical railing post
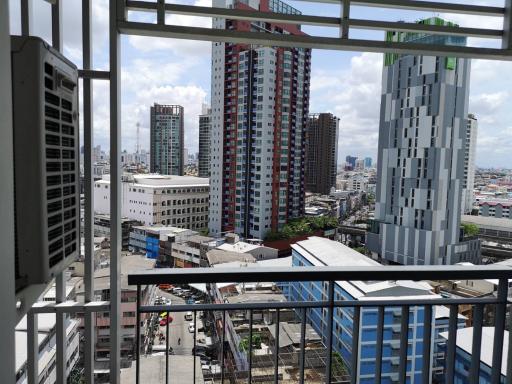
(137, 341)
(88, 194)
(451, 345)
(507, 26)
(404, 345)
(223, 340)
(167, 345)
(7, 261)
(509, 352)
(427, 345)
(354, 377)
(378, 349)
(345, 17)
(302, 345)
(276, 349)
(250, 346)
(195, 345)
(26, 13)
(60, 282)
(32, 349)
(116, 8)
(330, 319)
(160, 12)
(474, 372)
(499, 331)
(60, 344)
(57, 25)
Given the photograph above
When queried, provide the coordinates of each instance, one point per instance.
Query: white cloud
(353, 94)
(183, 48)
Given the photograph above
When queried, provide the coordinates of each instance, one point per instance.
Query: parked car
(166, 320)
(191, 328)
(189, 316)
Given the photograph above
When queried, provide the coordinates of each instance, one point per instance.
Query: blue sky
(345, 83)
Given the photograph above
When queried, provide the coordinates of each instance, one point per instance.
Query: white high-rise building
(180, 201)
(260, 102)
(468, 196)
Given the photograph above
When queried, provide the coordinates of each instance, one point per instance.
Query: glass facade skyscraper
(167, 135)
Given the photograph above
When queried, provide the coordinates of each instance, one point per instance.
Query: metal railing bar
(414, 5)
(345, 19)
(432, 6)
(378, 352)
(404, 344)
(317, 42)
(474, 372)
(195, 343)
(249, 380)
(57, 25)
(302, 344)
(222, 346)
(160, 11)
(167, 345)
(252, 274)
(70, 307)
(60, 329)
(137, 341)
(329, 320)
(499, 331)
(345, 22)
(276, 349)
(506, 43)
(32, 349)
(240, 14)
(354, 377)
(451, 344)
(88, 192)
(424, 28)
(93, 74)
(116, 14)
(315, 304)
(26, 12)
(60, 283)
(509, 352)
(427, 341)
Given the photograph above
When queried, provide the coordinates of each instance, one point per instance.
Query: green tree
(470, 229)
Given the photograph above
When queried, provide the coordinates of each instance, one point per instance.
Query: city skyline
(346, 84)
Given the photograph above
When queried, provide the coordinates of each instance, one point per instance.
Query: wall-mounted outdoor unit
(46, 161)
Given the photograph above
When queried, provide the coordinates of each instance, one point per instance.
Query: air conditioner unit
(46, 162)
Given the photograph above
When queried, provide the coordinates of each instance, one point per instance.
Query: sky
(347, 84)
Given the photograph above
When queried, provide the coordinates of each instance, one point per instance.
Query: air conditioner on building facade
(46, 161)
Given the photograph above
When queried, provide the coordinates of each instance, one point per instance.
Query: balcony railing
(120, 24)
(400, 307)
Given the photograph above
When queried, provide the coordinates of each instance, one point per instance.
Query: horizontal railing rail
(252, 274)
(345, 23)
(333, 275)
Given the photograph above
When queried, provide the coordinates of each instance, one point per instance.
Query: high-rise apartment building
(468, 196)
(321, 152)
(421, 155)
(260, 101)
(205, 128)
(367, 162)
(167, 135)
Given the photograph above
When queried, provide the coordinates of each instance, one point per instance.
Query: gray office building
(205, 128)
(321, 152)
(422, 136)
(167, 135)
